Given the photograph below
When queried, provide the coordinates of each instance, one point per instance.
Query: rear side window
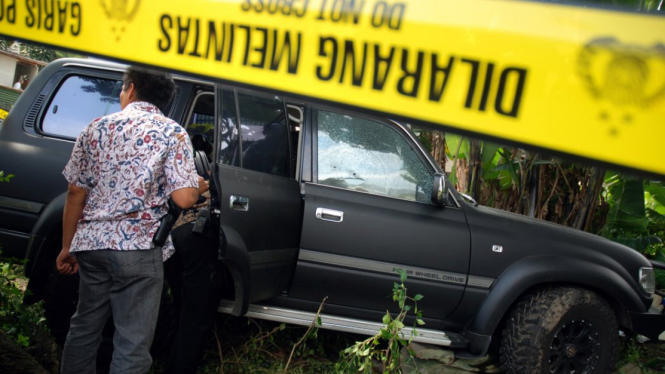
(78, 101)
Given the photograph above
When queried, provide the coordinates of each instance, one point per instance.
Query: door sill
(351, 325)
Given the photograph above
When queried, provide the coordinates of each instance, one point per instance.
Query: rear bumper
(650, 324)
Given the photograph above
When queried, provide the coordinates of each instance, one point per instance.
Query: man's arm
(185, 198)
(65, 263)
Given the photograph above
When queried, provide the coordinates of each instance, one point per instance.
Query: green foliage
(640, 243)
(660, 274)
(18, 321)
(637, 208)
(655, 199)
(244, 345)
(384, 347)
(648, 357)
(627, 212)
(5, 43)
(458, 148)
(5, 178)
(637, 216)
(508, 171)
(425, 138)
(38, 52)
(490, 159)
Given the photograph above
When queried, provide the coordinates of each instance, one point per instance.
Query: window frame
(191, 106)
(190, 110)
(220, 91)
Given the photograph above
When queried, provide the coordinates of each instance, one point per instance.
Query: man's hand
(66, 263)
(203, 185)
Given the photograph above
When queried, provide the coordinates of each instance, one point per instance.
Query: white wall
(7, 68)
(34, 69)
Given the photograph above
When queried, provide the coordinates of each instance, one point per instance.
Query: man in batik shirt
(122, 171)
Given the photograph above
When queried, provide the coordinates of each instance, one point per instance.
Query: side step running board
(336, 323)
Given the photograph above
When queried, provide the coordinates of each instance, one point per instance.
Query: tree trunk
(438, 142)
(597, 180)
(474, 168)
(462, 172)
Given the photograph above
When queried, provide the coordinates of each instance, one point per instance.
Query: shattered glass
(367, 156)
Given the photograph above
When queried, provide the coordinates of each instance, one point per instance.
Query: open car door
(260, 202)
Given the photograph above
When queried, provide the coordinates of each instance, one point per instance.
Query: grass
(241, 345)
(649, 356)
(252, 346)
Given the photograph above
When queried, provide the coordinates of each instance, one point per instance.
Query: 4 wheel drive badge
(623, 77)
(120, 11)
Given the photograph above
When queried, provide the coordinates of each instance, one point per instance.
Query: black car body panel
(431, 244)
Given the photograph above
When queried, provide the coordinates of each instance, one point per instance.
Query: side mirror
(440, 189)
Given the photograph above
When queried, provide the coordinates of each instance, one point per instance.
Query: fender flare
(49, 219)
(40, 263)
(534, 271)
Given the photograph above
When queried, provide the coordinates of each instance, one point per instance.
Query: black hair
(155, 87)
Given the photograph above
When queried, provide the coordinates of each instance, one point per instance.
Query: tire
(560, 330)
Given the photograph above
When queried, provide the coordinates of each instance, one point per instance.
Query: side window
(229, 145)
(264, 134)
(78, 101)
(367, 156)
(200, 124)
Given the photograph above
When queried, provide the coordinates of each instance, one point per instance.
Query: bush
(21, 322)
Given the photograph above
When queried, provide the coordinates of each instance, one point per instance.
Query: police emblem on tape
(120, 10)
(624, 79)
(623, 74)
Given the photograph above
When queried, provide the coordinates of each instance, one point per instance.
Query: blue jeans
(127, 285)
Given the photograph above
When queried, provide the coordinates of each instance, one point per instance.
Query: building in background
(12, 67)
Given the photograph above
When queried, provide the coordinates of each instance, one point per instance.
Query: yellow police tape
(587, 82)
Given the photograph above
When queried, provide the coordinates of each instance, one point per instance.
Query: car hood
(520, 236)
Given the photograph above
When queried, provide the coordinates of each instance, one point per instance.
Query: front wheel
(560, 330)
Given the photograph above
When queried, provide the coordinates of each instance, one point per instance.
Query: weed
(18, 321)
(385, 346)
(648, 357)
(5, 178)
(311, 332)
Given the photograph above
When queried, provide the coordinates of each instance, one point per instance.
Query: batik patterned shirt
(129, 163)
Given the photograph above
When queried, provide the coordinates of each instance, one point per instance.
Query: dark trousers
(194, 275)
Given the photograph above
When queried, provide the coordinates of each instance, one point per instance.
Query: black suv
(318, 201)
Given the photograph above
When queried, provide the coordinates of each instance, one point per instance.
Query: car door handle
(329, 215)
(239, 203)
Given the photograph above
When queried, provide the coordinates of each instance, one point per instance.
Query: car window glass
(201, 122)
(368, 156)
(228, 131)
(78, 101)
(265, 143)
